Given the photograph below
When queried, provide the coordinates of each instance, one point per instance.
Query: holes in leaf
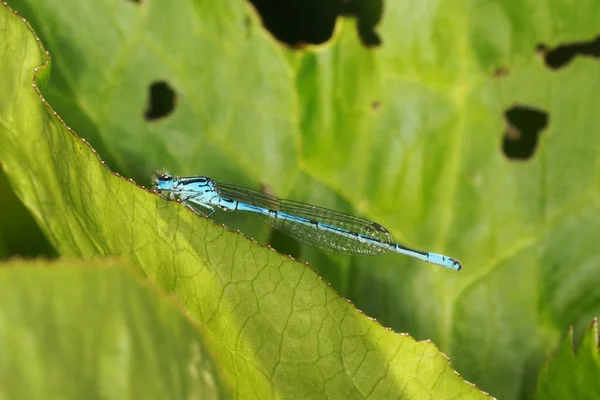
(524, 125)
(368, 14)
(297, 22)
(161, 102)
(562, 55)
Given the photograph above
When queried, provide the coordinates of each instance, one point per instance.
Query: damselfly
(316, 226)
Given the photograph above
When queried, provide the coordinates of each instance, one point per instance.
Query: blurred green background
(465, 128)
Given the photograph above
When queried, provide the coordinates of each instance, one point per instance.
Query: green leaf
(573, 374)
(75, 330)
(276, 329)
(211, 115)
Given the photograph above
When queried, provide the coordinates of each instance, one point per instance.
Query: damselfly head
(163, 181)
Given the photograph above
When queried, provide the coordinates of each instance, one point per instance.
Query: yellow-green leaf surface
(76, 330)
(275, 328)
(573, 374)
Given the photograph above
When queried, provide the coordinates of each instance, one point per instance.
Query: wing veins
(308, 233)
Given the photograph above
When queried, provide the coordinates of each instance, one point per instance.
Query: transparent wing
(309, 234)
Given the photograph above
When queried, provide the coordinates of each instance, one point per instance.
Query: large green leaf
(276, 329)
(76, 330)
(573, 374)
